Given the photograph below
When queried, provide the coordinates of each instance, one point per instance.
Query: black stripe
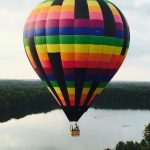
(109, 21)
(55, 60)
(126, 32)
(38, 64)
(91, 92)
(81, 9)
(79, 83)
(57, 2)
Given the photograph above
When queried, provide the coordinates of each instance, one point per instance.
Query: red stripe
(52, 23)
(66, 23)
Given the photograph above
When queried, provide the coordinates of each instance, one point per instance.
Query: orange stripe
(67, 8)
(94, 57)
(67, 56)
(83, 98)
(105, 57)
(43, 56)
(55, 9)
(81, 56)
(91, 100)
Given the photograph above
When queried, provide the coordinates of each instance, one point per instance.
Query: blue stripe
(98, 78)
(29, 34)
(69, 77)
(120, 34)
(64, 31)
(51, 77)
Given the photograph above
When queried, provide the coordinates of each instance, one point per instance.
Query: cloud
(13, 15)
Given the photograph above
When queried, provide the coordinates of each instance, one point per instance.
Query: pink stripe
(91, 100)
(40, 24)
(31, 18)
(118, 19)
(67, 15)
(80, 64)
(68, 71)
(68, 64)
(41, 16)
(33, 64)
(72, 103)
(45, 64)
(29, 26)
(37, 71)
(48, 71)
(53, 15)
(93, 64)
(105, 65)
(96, 16)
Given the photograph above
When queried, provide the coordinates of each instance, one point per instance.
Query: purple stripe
(97, 23)
(119, 26)
(66, 23)
(82, 23)
(52, 23)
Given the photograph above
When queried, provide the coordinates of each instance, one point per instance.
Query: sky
(15, 65)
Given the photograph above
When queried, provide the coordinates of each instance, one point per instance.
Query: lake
(100, 128)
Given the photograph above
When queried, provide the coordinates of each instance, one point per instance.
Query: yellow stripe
(53, 48)
(41, 48)
(79, 48)
(69, 2)
(71, 90)
(85, 90)
(126, 52)
(93, 6)
(57, 89)
(67, 48)
(27, 49)
(55, 8)
(95, 48)
(82, 48)
(52, 93)
(45, 4)
(40, 10)
(98, 90)
(108, 49)
(117, 50)
(111, 50)
(113, 9)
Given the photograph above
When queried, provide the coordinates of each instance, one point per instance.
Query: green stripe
(70, 83)
(45, 1)
(26, 41)
(102, 84)
(96, 40)
(54, 83)
(87, 84)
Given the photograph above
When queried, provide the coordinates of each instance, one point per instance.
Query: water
(99, 129)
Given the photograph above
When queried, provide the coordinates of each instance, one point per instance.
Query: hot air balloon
(76, 47)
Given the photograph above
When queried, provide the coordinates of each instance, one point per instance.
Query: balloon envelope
(76, 47)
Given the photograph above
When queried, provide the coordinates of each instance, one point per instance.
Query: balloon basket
(74, 130)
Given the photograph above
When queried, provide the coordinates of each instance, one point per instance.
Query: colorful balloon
(76, 47)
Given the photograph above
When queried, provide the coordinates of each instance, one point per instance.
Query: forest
(19, 98)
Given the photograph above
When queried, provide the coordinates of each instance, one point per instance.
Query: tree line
(19, 98)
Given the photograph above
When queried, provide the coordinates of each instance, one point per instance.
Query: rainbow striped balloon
(76, 47)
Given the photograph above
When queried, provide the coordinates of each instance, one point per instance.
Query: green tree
(147, 134)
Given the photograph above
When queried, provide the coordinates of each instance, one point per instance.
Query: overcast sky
(15, 65)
